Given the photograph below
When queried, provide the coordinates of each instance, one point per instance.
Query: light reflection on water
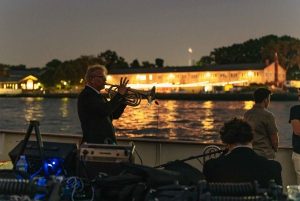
(170, 119)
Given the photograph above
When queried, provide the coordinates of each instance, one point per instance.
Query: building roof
(17, 79)
(232, 67)
(24, 73)
(9, 79)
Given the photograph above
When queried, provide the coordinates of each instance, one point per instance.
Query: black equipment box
(60, 157)
(102, 158)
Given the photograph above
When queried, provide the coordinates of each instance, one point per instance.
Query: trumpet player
(95, 112)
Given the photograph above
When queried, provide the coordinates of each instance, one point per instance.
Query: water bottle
(22, 164)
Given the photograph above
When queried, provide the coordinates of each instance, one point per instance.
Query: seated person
(242, 164)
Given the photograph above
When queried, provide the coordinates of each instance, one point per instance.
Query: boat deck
(151, 152)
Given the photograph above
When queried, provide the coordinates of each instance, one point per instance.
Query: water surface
(169, 119)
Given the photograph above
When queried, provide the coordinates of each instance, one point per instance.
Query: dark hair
(236, 130)
(260, 94)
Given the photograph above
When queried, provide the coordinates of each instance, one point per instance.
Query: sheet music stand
(35, 125)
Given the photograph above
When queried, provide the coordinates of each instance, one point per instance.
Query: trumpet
(133, 97)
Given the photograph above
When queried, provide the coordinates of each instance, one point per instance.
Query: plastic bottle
(22, 164)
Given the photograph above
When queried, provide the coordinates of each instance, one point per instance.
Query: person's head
(262, 95)
(95, 76)
(236, 131)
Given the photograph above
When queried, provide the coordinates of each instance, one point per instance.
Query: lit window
(143, 77)
(29, 84)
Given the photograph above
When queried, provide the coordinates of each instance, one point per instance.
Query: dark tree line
(73, 71)
(4, 70)
(251, 51)
(257, 51)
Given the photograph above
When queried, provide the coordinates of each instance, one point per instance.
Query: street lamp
(190, 53)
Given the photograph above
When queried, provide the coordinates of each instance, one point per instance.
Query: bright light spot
(142, 77)
(29, 84)
(208, 88)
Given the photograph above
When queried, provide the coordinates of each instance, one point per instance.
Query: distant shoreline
(277, 96)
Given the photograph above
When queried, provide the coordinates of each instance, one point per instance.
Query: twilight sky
(33, 32)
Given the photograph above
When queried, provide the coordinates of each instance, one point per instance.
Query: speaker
(60, 157)
(94, 159)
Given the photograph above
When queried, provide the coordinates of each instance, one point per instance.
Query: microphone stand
(192, 157)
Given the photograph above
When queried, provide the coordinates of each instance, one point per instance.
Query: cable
(106, 141)
(85, 152)
(77, 185)
(199, 161)
(139, 156)
(157, 129)
(34, 174)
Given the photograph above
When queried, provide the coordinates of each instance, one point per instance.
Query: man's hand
(122, 89)
(274, 141)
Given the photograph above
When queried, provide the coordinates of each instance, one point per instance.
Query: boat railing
(153, 151)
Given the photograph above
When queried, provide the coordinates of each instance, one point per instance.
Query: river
(168, 119)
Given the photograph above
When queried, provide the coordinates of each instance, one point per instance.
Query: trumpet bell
(133, 97)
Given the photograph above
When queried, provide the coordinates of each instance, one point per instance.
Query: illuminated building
(17, 85)
(198, 79)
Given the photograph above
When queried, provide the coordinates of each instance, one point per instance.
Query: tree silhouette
(111, 60)
(256, 51)
(135, 64)
(159, 63)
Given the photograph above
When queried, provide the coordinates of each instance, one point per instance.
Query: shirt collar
(257, 105)
(98, 92)
(242, 146)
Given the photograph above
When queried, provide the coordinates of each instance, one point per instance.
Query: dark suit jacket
(242, 165)
(96, 115)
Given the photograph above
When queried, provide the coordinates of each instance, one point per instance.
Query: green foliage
(4, 70)
(293, 73)
(256, 51)
(146, 64)
(72, 72)
(287, 50)
(135, 64)
(204, 61)
(19, 67)
(159, 63)
(111, 60)
(55, 63)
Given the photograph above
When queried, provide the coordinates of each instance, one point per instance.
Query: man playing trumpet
(95, 112)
